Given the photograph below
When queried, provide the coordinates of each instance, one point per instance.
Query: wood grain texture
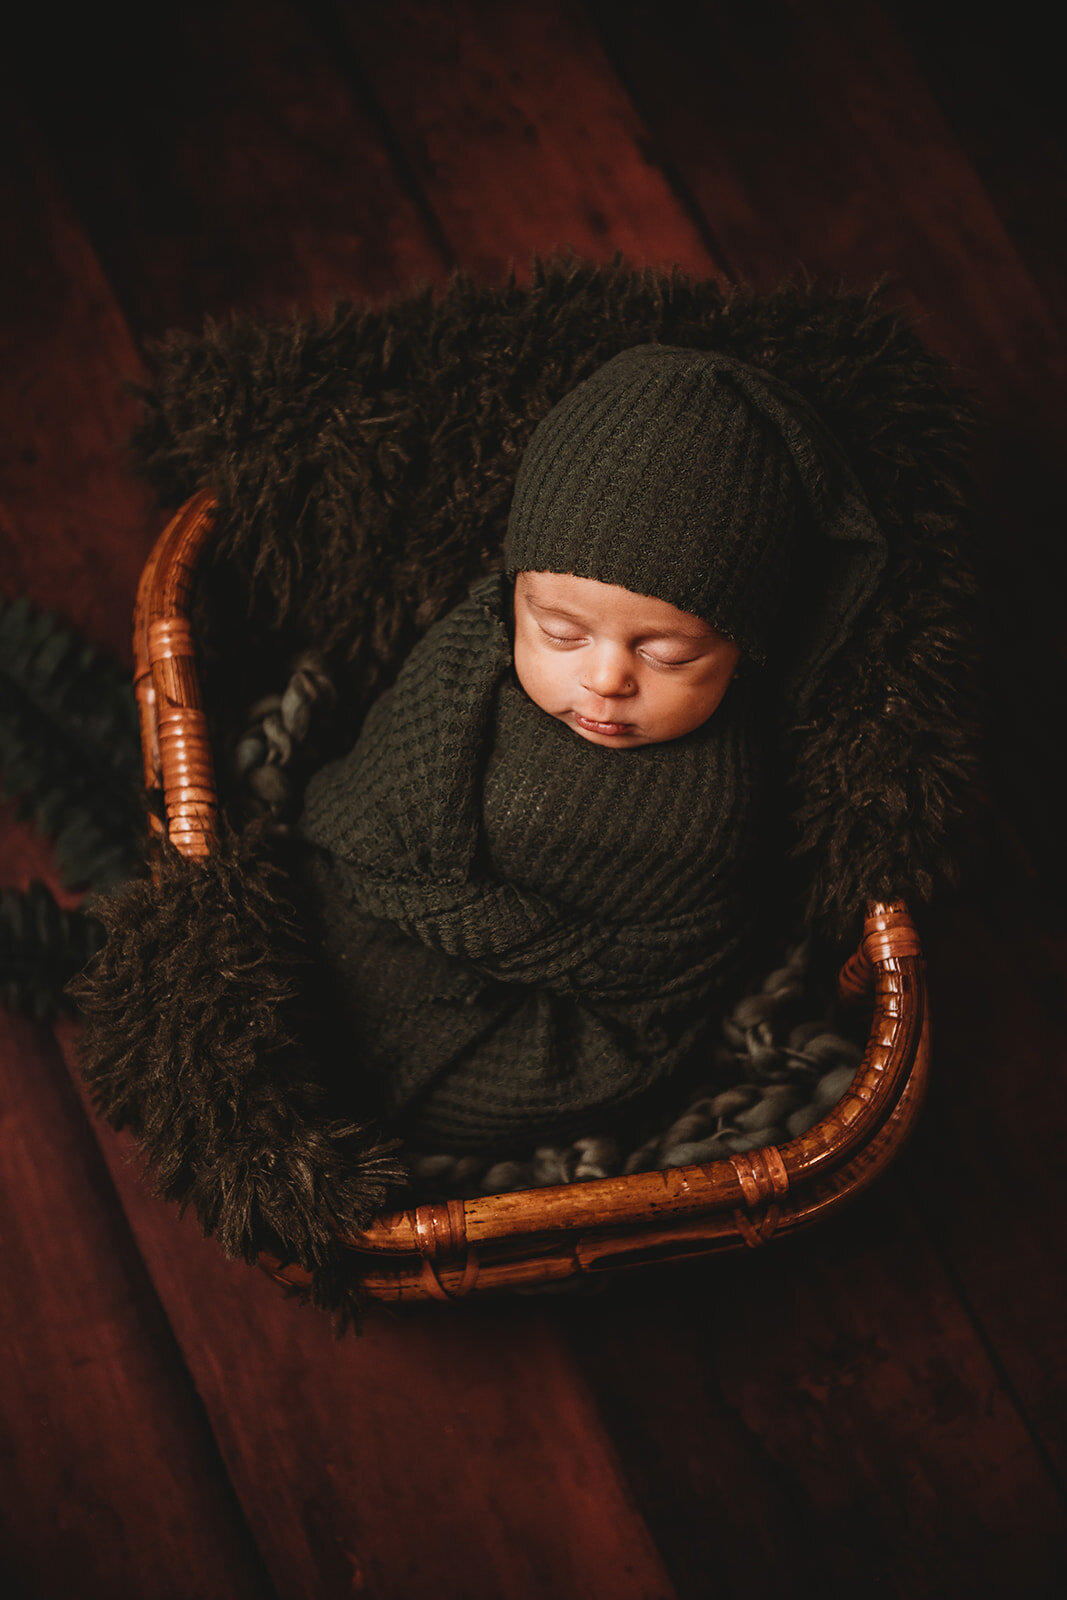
(842, 1377)
(1000, 88)
(240, 173)
(357, 1462)
(839, 160)
(988, 1172)
(75, 529)
(110, 1478)
(520, 135)
(877, 1408)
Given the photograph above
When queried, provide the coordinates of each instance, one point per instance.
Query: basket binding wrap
(363, 468)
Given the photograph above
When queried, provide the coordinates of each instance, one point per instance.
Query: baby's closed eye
(668, 661)
(562, 638)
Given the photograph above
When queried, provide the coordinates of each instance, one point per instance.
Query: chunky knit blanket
(524, 927)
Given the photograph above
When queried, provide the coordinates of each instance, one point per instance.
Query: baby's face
(621, 669)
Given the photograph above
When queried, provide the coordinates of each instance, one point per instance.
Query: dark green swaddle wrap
(526, 927)
(526, 931)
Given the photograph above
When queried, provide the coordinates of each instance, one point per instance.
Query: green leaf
(42, 946)
(69, 746)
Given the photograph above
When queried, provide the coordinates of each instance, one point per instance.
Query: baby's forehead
(609, 604)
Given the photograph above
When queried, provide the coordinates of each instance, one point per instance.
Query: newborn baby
(542, 866)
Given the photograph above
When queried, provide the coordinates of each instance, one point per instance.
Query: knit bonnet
(697, 479)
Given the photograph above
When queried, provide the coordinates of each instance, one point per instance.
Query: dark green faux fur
(365, 463)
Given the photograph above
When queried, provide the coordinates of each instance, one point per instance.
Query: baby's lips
(601, 722)
(606, 730)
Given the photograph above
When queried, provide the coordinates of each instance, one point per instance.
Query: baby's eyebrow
(680, 633)
(556, 611)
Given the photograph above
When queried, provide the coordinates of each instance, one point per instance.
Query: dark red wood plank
(520, 135)
(74, 528)
(1001, 89)
(238, 173)
(450, 1449)
(989, 1173)
(854, 1437)
(110, 1481)
(841, 161)
(340, 1452)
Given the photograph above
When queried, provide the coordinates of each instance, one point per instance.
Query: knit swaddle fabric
(525, 928)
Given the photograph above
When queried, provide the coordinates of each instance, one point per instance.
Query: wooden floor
(877, 1409)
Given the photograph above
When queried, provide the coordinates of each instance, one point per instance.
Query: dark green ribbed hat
(687, 475)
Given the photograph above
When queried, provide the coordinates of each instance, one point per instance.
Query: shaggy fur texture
(365, 463)
(202, 1030)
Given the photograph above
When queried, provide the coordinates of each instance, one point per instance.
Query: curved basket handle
(888, 934)
(862, 1128)
(179, 769)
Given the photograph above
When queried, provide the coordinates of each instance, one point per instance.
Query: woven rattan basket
(505, 1241)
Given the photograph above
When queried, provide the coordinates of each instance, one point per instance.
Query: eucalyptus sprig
(42, 946)
(69, 747)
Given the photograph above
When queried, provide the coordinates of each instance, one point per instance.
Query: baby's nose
(607, 673)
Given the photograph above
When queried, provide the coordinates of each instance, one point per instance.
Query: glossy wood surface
(876, 1405)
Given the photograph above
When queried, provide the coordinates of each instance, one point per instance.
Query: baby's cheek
(684, 707)
(532, 676)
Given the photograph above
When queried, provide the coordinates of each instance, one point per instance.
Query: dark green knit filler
(526, 929)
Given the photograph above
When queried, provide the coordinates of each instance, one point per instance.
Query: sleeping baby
(541, 871)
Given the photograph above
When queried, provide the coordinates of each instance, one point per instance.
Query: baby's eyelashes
(664, 661)
(562, 638)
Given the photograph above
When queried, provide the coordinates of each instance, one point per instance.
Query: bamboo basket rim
(444, 1249)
